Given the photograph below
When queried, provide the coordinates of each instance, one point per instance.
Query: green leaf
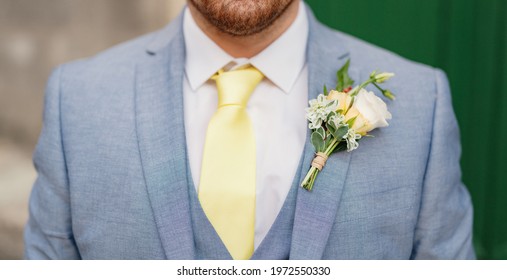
(325, 90)
(331, 127)
(343, 79)
(372, 75)
(320, 131)
(331, 104)
(317, 142)
(340, 132)
(342, 146)
(332, 113)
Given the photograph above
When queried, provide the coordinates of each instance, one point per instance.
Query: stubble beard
(241, 17)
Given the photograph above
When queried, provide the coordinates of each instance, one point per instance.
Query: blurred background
(466, 38)
(36, 36)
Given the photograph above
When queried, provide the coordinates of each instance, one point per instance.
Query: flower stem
(308, 180)
(332, 146)
(311, 176)
(363, 85)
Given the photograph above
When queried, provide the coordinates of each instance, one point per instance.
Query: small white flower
(383, 77)
(319, 110)
(351, 137)
(337, 119)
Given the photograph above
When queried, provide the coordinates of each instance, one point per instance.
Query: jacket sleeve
(444, 227)
(48, 233)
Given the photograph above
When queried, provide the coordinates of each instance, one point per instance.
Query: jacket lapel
(161, 136)
(316, 210)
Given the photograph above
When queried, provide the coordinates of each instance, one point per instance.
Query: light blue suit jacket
(112, 162)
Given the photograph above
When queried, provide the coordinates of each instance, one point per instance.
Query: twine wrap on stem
(319, 161)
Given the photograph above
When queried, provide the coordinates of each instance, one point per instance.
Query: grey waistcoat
(276, 244)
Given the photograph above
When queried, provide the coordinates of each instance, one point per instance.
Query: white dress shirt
(276, 109)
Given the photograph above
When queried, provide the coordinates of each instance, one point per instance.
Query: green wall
(468, 39)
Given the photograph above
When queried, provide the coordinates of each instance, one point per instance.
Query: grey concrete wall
(35, 36)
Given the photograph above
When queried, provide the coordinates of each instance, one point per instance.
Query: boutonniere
(341, 117)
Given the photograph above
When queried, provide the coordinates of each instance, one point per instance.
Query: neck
(246, 46)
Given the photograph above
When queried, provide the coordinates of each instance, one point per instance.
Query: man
(135, 160)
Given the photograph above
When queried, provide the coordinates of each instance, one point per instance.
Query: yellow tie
(227, 184)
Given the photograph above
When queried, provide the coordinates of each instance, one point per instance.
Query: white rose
(370, 112)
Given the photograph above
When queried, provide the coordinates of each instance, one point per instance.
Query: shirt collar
(203, 56)
(281, 62)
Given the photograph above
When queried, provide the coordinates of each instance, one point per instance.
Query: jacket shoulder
(109, 61)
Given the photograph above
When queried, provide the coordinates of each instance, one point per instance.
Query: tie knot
(235, 87)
